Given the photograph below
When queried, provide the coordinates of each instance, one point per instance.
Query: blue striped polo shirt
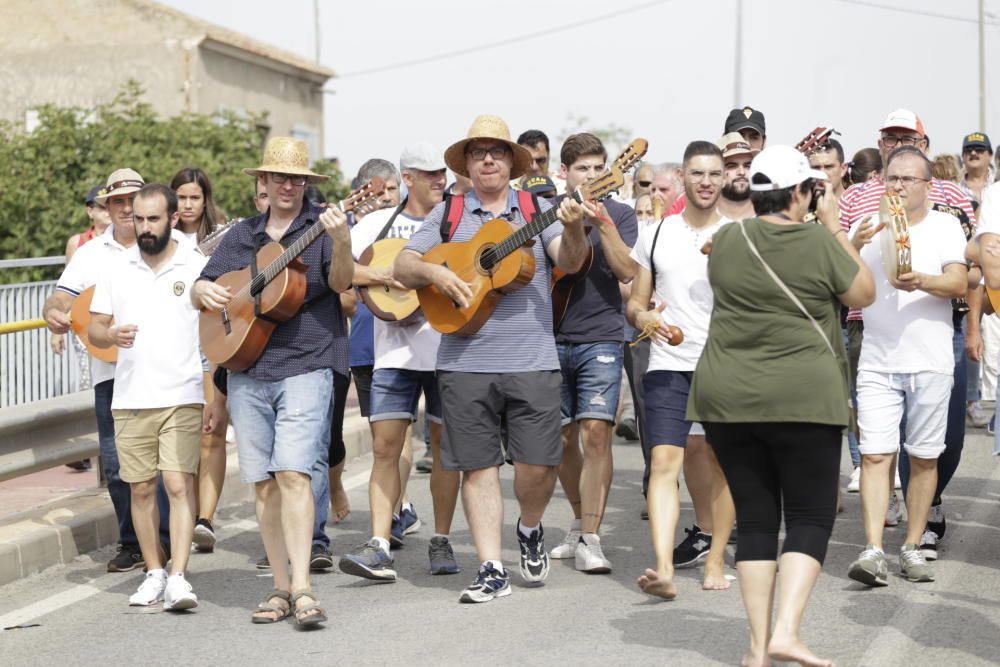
(518, 335)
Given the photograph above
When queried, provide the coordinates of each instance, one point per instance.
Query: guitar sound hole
(485, 260)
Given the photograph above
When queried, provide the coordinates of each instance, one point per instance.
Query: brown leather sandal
(302, 616)
(282, 612)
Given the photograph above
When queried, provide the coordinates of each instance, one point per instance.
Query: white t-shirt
(83, 271)
(412, 346)
(911, 332)
(988, 215)
(163, 368)
(682, 284)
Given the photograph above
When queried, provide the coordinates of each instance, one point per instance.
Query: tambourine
(897, 256)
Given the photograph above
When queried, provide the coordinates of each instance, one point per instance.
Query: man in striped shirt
(860, 204)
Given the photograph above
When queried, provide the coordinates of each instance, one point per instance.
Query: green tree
(45, 175)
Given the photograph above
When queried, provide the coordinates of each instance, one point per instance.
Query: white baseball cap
(423, 156)
(784, 167)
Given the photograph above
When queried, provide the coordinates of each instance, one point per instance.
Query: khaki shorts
(158, 439)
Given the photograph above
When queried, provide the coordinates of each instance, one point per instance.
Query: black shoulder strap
(652, 249)
(452, 216)
(385, 230)
(260, 241)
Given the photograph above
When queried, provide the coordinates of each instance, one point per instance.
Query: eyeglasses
(496, 152)
(697, 176)
(905, 181)
(280, 179)
(891, 141)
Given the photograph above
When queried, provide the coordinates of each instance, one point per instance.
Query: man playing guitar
(280, 405)
(509, 368)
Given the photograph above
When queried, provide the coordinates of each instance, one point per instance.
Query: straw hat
(120, 182)
(487, 127)
(285, 155)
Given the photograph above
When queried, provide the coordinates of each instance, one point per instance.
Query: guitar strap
(652, 249)
(259, 242)
(454, 206)
(385, 230)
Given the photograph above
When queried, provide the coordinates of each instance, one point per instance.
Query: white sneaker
(150, 590)
(898, 484)
(895, 512)
(928, 545)
(975, 415)
(567, 548)
(854, 485)
(178, 594)
(589, 555)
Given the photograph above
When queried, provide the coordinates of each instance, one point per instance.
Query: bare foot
(750, 661)
(714, 580)
(793, 650)
(660, 586)
(340, 505)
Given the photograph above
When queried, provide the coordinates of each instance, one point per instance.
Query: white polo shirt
(83, 271)
(988, 216)
(163, 368)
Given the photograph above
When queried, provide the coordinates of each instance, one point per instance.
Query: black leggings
(338, 452)
(769, 462)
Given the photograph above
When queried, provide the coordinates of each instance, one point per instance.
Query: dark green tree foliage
(45, 175)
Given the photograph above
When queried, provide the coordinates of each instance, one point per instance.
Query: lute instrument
(80, 310)
(563, 283)
(498, 259)
(236, 336)
(387, 303)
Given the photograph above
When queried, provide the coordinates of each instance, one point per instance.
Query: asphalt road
(84, 619)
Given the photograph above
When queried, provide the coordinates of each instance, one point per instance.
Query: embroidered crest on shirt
(178, 288)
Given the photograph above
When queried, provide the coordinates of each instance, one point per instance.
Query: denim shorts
(666, 395)
(280, 426)
(591, 380)
(396, 393)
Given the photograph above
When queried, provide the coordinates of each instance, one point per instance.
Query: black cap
(977, 140)
(745, 117)
(92, 195)
(540, 185)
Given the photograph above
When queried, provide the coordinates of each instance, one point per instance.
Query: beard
(152, 244)
(733, 192)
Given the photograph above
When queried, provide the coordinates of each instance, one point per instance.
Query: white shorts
(882, 398)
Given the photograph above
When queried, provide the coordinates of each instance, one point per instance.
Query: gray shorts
(471, 408)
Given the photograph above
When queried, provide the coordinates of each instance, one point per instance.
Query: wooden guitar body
(235, 337)
(387, 303)
(80, 315)
(464, 258)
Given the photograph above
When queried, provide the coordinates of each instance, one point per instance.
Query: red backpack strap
(454, 205)
(528, 204)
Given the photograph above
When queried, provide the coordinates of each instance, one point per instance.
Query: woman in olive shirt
(771, 388)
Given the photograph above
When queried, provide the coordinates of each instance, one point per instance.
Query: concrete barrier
(43, 434)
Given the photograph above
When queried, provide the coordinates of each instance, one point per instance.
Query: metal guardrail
(29, 370)
(46, 433)
(54, 260)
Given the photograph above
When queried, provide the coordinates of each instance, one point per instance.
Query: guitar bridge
(225, 322)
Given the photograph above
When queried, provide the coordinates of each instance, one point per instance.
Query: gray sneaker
(442, 556)
(912, 564)
(870, 568)
(371, 562)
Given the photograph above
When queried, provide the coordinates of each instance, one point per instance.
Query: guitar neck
(271, 271)
(533, 228)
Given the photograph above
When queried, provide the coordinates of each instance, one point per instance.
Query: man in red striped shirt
(860, 203)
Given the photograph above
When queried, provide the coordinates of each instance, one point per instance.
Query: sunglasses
(644, 184)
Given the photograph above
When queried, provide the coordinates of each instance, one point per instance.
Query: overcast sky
(664, 69)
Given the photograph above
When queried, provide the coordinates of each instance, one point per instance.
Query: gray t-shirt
(594, 314)
(517, 337)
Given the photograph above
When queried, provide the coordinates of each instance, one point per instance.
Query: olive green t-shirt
(764, 361)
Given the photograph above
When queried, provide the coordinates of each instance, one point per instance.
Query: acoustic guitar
(562, 282)
(79, 312)
(498, 259)
(387, 303)
(235, 337)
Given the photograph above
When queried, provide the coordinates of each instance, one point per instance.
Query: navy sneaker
(442, 556)
(396, 533)
(693, 549)
(490, 583)
(534, 558)
(372, 562)
(320, 558)
(408, 518)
